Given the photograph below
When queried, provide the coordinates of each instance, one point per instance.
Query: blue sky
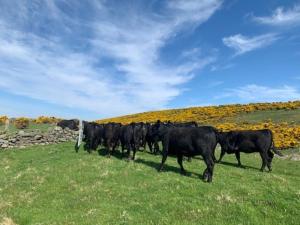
(95, 59)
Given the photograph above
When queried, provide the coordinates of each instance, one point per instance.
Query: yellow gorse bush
(202, 115)
(21, 122)
(46, 119)
(3, 119)
(285, 135)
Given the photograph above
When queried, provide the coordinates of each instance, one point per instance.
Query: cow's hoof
(183, 172)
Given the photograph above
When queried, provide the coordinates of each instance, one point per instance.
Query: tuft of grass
(54, 185)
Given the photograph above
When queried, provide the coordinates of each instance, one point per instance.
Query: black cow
(188, 141)
(183, 124)
(131, 137)
(111, 136)
(138, 134)
(92, 136)
(150, 139)
(249, 141)
(71, 124)
(126, 138)
(144, 131)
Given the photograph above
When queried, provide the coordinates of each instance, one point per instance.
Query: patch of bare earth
(7, 221)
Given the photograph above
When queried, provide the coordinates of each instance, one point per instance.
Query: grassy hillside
(283, 118)
(218, 114)
(54, 185)
(276, 116)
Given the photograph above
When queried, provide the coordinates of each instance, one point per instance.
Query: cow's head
(227, 141)
(224, 140)
(158, 130)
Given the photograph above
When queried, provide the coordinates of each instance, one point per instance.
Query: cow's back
(191, 140)
(253, 140)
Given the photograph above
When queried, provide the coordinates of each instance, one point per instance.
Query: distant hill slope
(237, 113)
(283, 118)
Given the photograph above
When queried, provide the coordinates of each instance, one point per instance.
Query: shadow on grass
(116, 154)
(237, 166)
(166, 168)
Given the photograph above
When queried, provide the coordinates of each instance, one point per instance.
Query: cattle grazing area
(55, 185)
(140, 171)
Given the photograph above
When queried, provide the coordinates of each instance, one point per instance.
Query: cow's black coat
(188, 141)
(261, 141)
(71, 124)
(126, 138)
(111, 136)
(92, 136)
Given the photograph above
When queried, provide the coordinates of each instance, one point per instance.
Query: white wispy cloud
(218, 67)
(107, 61)
(242, 44)
(281, 17)
(258, 93)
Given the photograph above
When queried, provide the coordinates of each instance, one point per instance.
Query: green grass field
(32, 126)
(54, 185)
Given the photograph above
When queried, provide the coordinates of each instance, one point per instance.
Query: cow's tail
(274, 149)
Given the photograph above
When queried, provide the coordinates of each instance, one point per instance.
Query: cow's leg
(88, 144)
(264, 158)
(93, 145)
(214, 157)
(163, 160)
(221, 156)
(179, 160)
(270, 158)
(114, 146)
(129, 147)
(76, 146)
(205, 174)
(108, 148)
(134, 151)
(144, 144)
(238, 157)
(156, 147)
(211, 169)
(150, 146)
(164, 154)
(122, 147)
(208, 172)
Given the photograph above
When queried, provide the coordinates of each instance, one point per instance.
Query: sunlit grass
(54, 185)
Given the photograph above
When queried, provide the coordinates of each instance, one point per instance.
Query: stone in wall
(22, 138)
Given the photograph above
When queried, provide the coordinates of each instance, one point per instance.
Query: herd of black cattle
(179, 139)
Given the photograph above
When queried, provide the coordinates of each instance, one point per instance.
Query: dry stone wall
(22, 138)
